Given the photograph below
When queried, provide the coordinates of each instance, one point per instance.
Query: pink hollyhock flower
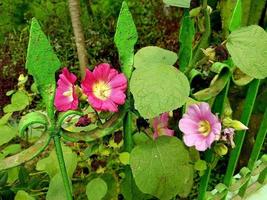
(66, 98)
(160, 126)
(200, 127)
(105, 88)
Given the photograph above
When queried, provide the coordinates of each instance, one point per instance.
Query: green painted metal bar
(62, 167)
(239, 137)
(218, 107)
(256, 149)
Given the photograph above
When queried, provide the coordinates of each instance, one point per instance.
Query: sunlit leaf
(248, 49)
(42, 63)
(22, 195)
(161, 168)
(178, 3)
(125, 39)
(7, 133)
(96, 189)
(157, 89)
(19, 101)
(150, 55)
(236, 20)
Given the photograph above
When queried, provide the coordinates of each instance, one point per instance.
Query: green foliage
(7, 133)
(51, 167)
(19, 101)
(159, 171)
(247, 47)
(154, 93)
(236, 20)
(178, 3)
(22, 195)
(125, 39)
(96, 189)
(41, 60)
(217, 84)
(153, 55)
(30, 119)
(186, 37)
(129, 189)
(10, 150)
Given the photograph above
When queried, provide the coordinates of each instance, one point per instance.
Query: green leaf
(129, 190)
(11, 149)
(236, 20)
(158, 88)
(140, 138)
(112, 184)
(161, 168)
(125, 39)
(19, 101)
(217, 84)
(151, 55)
(56, 188)
(96, 189)
(30, 119)
(22, 195)
(240, 79)
(178, 3)
(124, 158)
(186, 37)
(5, 118)
(41, 60)
(13, 174)
(248, 49)
(200, 165)
(50, 163)
(7, 133)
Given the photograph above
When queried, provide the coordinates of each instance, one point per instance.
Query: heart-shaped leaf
(158, 88)
(161, 168)
(248, 49)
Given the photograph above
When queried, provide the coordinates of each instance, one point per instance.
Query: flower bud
(237, 125)
(221, 149)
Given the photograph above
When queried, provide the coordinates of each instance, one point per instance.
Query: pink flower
(66, 98)
(200, 127)
(105, 88)
(160, 126)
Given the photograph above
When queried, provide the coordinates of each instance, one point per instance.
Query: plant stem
(203, 43)
(62, 166)
(239, 137)
(75, 13)
(256, 150)
(127, 129)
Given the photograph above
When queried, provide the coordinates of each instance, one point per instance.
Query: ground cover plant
(149, 121)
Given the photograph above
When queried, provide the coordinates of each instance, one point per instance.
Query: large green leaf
(153, 55)
(125, 39)
(187, 32)
(22, 195)
(158, 88)
(19, 101)
(50, 163)
(7, 133)
(248, 49)
(161, 168)
(96, 189)
(42, 63)
(178, 3)
(236, 20)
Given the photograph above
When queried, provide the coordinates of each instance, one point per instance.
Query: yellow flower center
(204, 127)
(102, 90)
(68, 93)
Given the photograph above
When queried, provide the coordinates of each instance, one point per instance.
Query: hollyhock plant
(160, 126)
(66, 97)
(105, 88)
(200, 126)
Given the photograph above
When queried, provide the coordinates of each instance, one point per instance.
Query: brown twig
(75, 13)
